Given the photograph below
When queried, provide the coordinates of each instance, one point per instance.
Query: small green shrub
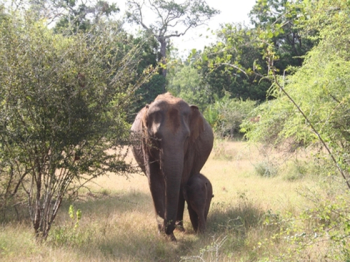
(105, 192)
(227, 114)
(320, 232)
(266, 169)
(69, 234)
(295, 170)
(298, 169)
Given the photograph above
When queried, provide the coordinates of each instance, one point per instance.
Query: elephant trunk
(172, 171)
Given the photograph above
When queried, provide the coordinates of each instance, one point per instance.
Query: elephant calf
(198, 193)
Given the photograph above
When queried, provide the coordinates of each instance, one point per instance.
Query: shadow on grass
(89, 203)
(241, 225)
(137, 246)
(239, 218)
(95, 204)
(118, 227)
(136, 238)
(122, 227)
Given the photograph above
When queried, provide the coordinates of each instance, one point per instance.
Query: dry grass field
(118, 221)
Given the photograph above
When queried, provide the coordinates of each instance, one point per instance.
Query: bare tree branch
(169, 15)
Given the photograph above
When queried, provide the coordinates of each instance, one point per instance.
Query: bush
(226, 115)
(324, 226)
(266, 169)
(63, 102)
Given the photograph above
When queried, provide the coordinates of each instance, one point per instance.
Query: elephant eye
(156, 117)
(154, 121)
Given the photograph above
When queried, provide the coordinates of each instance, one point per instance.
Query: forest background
(72, 79)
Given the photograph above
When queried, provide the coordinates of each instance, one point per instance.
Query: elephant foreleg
(180, 213)
(156, 184)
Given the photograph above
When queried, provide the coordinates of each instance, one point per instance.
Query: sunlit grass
(118, 221)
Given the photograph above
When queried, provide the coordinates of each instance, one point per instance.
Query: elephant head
(176, 142)
(170, 125)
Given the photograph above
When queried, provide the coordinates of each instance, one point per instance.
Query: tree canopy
(172, 19)
(63, 111)
(319, 86)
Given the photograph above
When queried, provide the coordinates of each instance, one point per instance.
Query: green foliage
(63, 101)
(148, 91)
(185, 79)
(311, 108)
(236, 63)
(295, 170)
(229, 65)
(270, 124)
(325, 221)
(277, 20)
(266, 169)
(79, 16)
(320, 87)
(185, 82)
(69, 235)
(226, 115)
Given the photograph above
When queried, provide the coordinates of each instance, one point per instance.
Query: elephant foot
(160, 228)
(171, 237)
(180, 228)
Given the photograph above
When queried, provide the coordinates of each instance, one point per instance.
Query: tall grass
(245, 221)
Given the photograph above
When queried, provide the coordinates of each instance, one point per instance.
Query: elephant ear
(144, 116)
(196, 123)
(144, 124)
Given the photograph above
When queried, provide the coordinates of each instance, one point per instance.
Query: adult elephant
(174, 142)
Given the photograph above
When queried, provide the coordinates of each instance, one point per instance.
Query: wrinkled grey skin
(174, 141)
(198, 194)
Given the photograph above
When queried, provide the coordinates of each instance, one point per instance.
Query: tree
(278, 18)
(185, 82)
(227, 66)
(236, 63)
(320, 82)
(69, 14)
(81, 16)
(63, 112)
(312, 109)
(227, 114)
(150, 90)
(172, 19)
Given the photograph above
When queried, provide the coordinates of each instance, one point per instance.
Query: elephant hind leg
(201, 223)
(193, 217)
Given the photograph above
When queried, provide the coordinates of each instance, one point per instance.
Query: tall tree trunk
(163, 45)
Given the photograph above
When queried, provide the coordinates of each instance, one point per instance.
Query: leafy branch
(270, 59)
